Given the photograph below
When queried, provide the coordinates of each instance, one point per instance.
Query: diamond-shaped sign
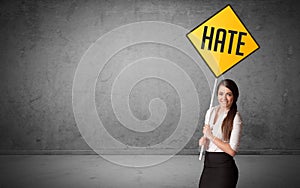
(222, 41)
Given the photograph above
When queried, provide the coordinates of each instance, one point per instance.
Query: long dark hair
(228, 121)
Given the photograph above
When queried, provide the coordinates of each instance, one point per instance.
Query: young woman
(222, 132)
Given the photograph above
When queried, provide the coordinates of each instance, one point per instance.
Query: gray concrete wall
(42, 43)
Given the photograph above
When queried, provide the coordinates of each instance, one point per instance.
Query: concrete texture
(182, 171)
(42, 43)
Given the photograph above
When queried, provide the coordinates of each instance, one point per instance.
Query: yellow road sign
(222, 41)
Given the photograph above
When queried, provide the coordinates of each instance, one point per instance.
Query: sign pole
(210, 106)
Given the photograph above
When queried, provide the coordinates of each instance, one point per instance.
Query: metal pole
(210, 106)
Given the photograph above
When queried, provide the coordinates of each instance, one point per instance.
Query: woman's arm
(233, 144)
(225, 146)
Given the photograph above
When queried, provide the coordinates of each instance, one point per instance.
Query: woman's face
(225, 97)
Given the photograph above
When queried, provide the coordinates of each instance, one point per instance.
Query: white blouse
(235, 136)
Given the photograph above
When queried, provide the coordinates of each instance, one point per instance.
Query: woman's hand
(202, 141)
(207, 132)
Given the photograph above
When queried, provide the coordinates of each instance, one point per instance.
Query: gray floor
(180, 171)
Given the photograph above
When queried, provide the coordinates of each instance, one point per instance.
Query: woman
(222, 132)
